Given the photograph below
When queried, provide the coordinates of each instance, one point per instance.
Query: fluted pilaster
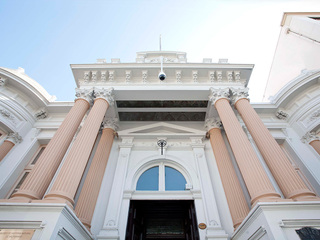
(68, 179)
(282, 170)
(236, 201)
(91, 187)
(256, 179)
(42, 173)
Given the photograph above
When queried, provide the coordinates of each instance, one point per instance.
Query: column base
(54, 201)
(303, 195)
(266, 197)
(86, 223)
(15, 200)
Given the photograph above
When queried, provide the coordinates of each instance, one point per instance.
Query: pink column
(256, 179)
(316, 145)
(237, 203)
(91, 187)
(282, 170)
(42, 173)
(313, 140)
(8, 144)
(68, 179)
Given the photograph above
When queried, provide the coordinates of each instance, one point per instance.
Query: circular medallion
(202, 226)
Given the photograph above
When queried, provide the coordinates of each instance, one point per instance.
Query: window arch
(161, 178)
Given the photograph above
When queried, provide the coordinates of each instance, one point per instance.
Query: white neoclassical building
(188, 157)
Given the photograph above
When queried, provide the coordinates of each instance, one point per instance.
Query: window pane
(149, 180)
(174, 180)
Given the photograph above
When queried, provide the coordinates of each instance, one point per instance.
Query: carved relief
(111, 76)
(86, 77)
(195, 76)
(144, 76)
(128, 76)
(103, 76)
(85, 94)
(217, 94)
(9, 116)
(219, 76)
(106, 94)
(239, 94)
(314, 116)
(42, 114)
(237, 76)
(2, 81)
(230, 76)
(281, 115)
(14, 137)
(212, 76)
(94, 76)
(212, 123)
(309, 137)
(178, 76)
(111, 123)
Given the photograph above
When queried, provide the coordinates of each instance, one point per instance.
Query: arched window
(161, 178)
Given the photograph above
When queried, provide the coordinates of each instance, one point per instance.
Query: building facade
(136, 157)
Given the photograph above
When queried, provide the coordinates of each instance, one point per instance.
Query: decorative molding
(111, 123)
(64, 234)
(111, 75)
(281, 115)
(128, 76)
(106, 94)
(212, 76)
(14, 138)
(309, 137)
(85, 94)
(8, 115)
(238, 94)
(212, 123)
(314, 116)
(42, 114)
(217, 94)
(178, 76)
(144, 76)
(261, 231)
(3, 81)
(195, 76)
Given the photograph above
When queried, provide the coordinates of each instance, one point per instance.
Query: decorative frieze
(314, 116)
(219, 76)
(9, 116)
(216, 94)
(238, 94)
(281, 115)
(237, 76)
(103, 76)
(42, 114)
(85, 94)
(309, 137)
(106, 94)
(111, 123)
(230, 76)
(86, 76)
(212, 123)
(94, 76)
(14, 138)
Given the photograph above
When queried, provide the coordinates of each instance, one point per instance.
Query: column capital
(238, 94)
(106, 94)
(110, 123)
(218, 93)
(309, 137)
(85, 94)
(212, 123)
(14, 138)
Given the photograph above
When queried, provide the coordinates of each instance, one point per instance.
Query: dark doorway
(158, 220)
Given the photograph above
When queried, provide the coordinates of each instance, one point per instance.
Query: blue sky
(44, 37)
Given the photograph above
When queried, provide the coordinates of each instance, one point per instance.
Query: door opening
(156, 220)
